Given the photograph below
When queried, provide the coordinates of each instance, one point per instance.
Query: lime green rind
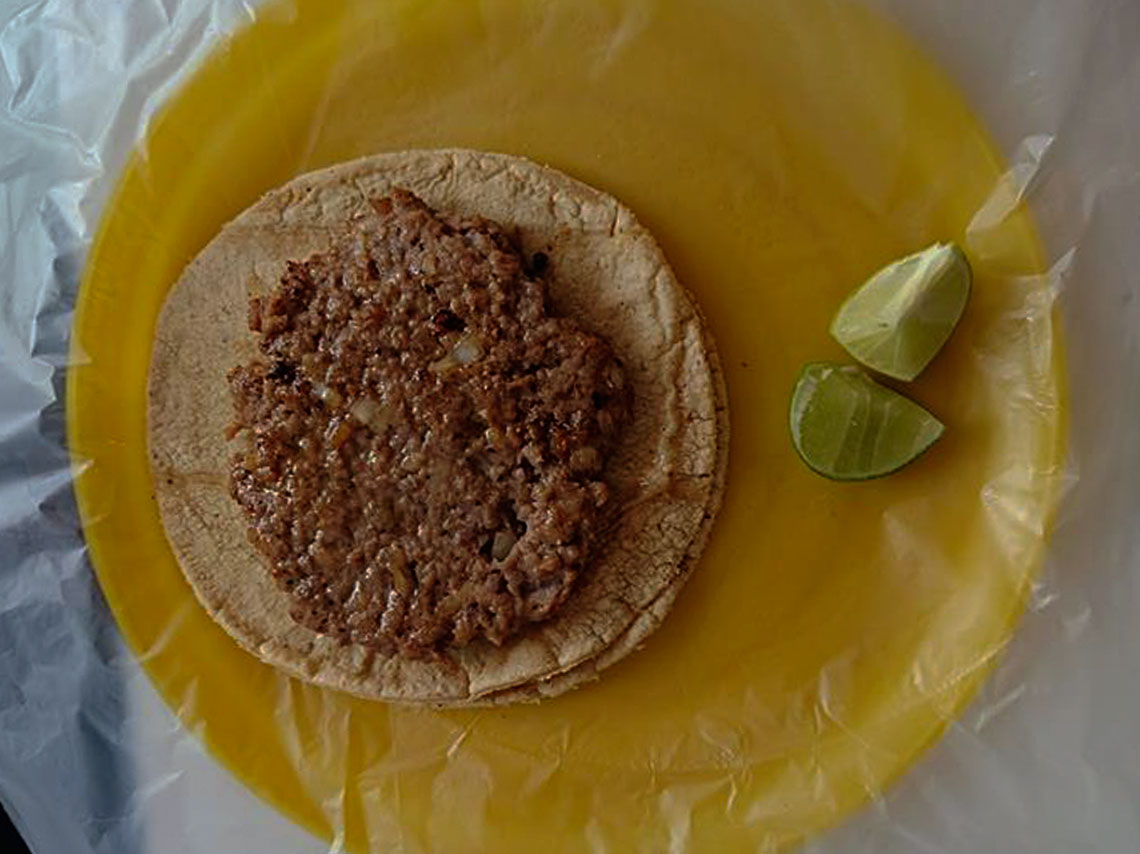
(901, 317)
(847, 427)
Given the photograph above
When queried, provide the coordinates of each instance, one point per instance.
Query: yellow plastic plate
(781, 151)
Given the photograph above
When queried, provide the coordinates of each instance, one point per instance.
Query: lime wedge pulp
(846, 426)
(899, 319)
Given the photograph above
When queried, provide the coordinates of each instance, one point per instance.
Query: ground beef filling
(423, 444)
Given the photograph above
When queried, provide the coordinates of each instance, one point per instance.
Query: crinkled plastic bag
(832, 633)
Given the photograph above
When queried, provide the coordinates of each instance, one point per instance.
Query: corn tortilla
(605, 270)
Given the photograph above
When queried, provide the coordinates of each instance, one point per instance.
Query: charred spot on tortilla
(424, 444)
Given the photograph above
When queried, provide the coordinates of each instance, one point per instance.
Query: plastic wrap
(780, 151)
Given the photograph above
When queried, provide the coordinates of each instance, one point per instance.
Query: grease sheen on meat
(424, 445)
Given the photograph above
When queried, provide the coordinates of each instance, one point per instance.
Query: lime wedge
(900, 318)
(846, 426)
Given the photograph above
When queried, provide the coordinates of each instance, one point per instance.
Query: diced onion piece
(340, 434)
(502, 544)
(585, 459)
(329, 395)
(444, 365)
(398, 566)
(372, 413)
(466, 351)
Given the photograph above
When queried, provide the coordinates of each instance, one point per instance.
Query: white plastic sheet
(1047, 759)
